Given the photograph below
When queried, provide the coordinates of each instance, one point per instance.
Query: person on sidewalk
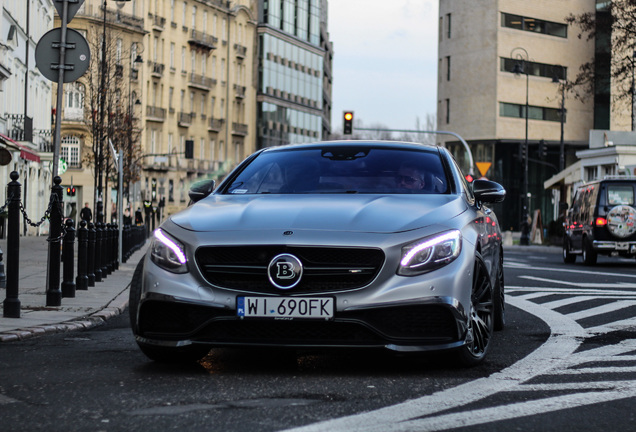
(86, 214)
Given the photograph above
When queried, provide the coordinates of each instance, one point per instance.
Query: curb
(112, 309)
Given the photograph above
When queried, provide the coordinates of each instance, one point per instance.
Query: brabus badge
(285, 271)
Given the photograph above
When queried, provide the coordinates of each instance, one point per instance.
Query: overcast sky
(385, 61)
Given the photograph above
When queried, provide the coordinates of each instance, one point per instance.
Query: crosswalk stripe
(599, 310)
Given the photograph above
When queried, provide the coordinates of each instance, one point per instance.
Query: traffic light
(522, 152)
(347, 128)
(70, 191)
(469, 178)
(543, 149)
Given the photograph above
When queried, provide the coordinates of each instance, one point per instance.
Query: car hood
(349, 213)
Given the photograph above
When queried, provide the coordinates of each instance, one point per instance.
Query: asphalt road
(564, 362)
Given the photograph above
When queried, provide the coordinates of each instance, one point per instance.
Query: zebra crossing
(564, 373)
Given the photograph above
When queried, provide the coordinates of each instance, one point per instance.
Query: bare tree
(619, 18)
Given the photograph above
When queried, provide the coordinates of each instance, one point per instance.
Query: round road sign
(47, 55)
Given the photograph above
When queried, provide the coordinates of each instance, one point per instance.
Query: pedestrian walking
(86, 214)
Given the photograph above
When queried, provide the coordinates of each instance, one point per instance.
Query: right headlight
(430, 253)
(168, 253)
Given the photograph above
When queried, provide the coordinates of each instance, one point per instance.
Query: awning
(25, 152)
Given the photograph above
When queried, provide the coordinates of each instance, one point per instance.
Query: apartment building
(25, 101)
(502, 62)
(178, 75)
(294, 81)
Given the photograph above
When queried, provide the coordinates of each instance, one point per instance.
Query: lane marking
(599, 310)
(565, 338)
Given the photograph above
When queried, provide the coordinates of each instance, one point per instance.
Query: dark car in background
(325, 245)
(601, 221)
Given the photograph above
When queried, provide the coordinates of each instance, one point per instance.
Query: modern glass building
(290, 100)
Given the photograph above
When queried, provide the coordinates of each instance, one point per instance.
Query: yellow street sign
(483, 167)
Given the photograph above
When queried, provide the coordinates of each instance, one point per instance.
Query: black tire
(499, 298)
(161, 354)
(481, 317)
(568, 257)
(589, 254)
(134, 295)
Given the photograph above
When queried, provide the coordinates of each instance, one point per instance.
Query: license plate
(285, 307)
(622, 246)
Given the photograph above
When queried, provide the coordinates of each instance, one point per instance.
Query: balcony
(156, 114)
(20, 127)
(239, 129)
(215, 124)
(185, 119)
(239, 91)
(240, 50)
(113, 16)
(158, 23)
(202, 40)
(201, 82)
(157, 70)
(119, 71)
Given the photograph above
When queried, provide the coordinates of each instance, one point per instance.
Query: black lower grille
(403, 324)
(326, 269)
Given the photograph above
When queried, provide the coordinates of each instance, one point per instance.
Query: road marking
(507, 263)
(580, 284)
(565, 338)
(599, 310)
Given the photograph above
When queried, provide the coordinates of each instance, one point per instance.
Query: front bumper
(433, 325)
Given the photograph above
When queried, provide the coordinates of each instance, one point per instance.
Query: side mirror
(201, 189)
(488, 191)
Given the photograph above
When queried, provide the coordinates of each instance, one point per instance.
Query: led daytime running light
(453, 235)
(171, 244)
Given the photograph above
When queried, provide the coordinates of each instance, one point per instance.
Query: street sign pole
(60, 92)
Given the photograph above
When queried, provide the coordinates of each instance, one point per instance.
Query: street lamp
(557, 80)
(520, 67)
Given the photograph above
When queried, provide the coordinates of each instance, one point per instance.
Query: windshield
(343, 170)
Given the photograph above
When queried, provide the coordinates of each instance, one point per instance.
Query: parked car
(601, 221)
(333, 244)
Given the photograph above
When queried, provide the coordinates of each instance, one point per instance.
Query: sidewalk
(87, 309)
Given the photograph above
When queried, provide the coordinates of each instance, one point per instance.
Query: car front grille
(326, 269)
(415, 324)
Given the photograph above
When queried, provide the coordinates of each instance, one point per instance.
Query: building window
(534, 112)
(70, 151)
(74, 101)
(534, 68)
(448, 68)
(448, 26)
(447, 111)
(534, 25)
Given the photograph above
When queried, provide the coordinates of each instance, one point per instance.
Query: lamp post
(557, 80)
(520, 67)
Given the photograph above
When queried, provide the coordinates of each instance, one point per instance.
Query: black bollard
(109, 265)
(3, 276)
(105, 250)
(81, 282)
(68, 244)
(53, 292)
(91, 254)
(98, 252)
(116, 247)
(11, 305)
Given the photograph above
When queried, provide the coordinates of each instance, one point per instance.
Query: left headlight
(430, 253)
(168, 253)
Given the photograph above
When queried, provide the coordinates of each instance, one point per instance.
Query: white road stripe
(596, 385)
(599, 310)
(565, 338)
(566, 301)
(596, 370)
(565, 270)
(616, 325)
(580, 284)
(508, 412)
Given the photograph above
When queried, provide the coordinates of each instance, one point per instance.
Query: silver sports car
(332, 244)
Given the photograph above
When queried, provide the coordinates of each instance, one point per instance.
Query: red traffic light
(469, 178)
